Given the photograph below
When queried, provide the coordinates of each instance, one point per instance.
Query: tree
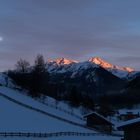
(39, 63)
(88, 102)
(74, 97)
(22, 65)
(105, 108)
(39, 76)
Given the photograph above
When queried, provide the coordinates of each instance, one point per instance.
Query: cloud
(76, 29)
(131, 61)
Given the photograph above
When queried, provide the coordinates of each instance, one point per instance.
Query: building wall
(128, 116)
(99, 124)
(132, 133)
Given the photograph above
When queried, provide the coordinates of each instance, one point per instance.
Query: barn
(99, 122)
(131, 129)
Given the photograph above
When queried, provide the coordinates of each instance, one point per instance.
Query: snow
(6, 81)
(87, 138)
(29, 101)
(125, 111)
(16, 118)
(62, 106)
(68, 138)
(99, 116)
(132, 121)
(61, 61)
(101, 62)
(63, 65)
(134, 110)
(73, 68)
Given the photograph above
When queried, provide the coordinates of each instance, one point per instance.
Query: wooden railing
(45, 135)
(61, 109)
(56, 107)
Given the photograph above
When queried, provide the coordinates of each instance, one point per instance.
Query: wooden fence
(46, 135)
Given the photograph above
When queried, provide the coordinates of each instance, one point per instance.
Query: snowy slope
(29, 101)
(72, 66)
(16, 118)
(6, 81)
(61, 106)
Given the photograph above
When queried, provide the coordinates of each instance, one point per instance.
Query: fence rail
(56, 107)
(61, 109)
(46, 135)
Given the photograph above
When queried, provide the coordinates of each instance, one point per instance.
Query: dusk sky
(75, 29)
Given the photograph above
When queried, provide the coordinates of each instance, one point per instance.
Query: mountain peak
(62, 65)
(128, 69)
(62, 61)
(105, 64)
(101, 62)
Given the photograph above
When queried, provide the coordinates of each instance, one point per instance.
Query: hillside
(16, 117)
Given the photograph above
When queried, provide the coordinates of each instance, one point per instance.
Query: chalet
(131, 129)
(128, 115)
(95, 120)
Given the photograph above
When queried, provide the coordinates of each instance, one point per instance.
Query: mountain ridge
(62, 65)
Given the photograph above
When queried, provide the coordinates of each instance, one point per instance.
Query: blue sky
(75, 29)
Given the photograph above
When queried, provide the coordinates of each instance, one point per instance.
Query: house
(131, 129)
(128, 115)
(95, 120)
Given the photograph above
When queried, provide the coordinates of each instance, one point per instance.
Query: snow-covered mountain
(88, 76)
(62, 61)
(62, 65)
(121, 72)
(107, 65)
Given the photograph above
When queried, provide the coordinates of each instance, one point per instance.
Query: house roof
(100, 116)
(127, 123)
(126, 111)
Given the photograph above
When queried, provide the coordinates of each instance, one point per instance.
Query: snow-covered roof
(102, 117)
(125, 111)
(126, 123)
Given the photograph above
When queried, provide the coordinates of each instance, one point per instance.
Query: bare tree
(39, 63)
(22, 65)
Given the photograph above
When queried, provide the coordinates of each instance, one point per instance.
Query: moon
(1, 38)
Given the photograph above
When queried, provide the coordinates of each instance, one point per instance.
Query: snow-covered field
(29, 101)
(16, 118)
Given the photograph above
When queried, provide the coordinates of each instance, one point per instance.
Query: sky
(75, 29)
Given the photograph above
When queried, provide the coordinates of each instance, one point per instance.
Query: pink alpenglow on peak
(101, 62)
(62, 65)
(105, 64)
(128, 69)
(62, 61)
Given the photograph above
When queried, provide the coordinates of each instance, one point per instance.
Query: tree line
(36, 79)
